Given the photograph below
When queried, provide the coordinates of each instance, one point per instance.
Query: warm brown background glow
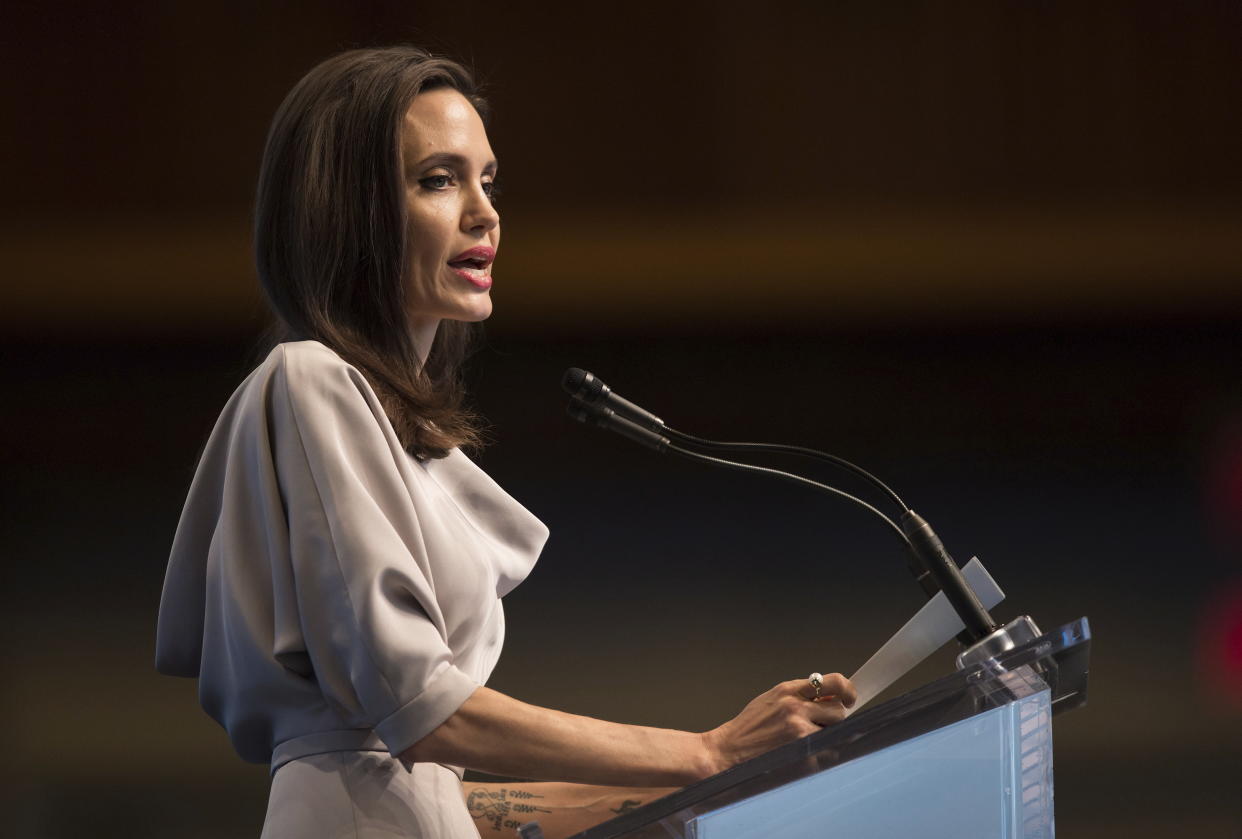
(990, 250)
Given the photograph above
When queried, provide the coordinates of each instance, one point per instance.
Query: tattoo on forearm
(626, 805)
(498, 806)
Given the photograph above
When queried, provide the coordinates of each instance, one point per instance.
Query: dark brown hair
(330, 235)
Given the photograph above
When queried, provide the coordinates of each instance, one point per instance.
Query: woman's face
(453, 229)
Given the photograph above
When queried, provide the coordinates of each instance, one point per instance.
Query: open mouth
(474, 265)
(474, 269)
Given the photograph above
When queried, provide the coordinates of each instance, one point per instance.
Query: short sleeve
(363, 581)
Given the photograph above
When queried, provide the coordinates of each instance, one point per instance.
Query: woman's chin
(479, 310)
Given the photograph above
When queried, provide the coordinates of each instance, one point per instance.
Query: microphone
(604, 417)
(594, 403)
(580, 384)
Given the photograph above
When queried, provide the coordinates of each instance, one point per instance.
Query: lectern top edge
(1056, 662)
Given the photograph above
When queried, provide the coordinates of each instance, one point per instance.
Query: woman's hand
(786, 712)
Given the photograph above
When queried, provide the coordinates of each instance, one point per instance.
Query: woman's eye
(492, 190)
(436, 182)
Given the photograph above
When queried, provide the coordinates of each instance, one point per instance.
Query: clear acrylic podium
(969, 755)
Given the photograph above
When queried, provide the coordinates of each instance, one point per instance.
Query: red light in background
(1225, 484)
(1220, 647)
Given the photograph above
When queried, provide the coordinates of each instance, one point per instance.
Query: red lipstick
(474, 266)
(479, 252)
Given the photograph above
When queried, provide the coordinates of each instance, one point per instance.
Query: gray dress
(338, 599)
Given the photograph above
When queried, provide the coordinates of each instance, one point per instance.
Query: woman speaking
(336, 576)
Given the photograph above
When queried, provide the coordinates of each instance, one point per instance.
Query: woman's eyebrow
(453, 159)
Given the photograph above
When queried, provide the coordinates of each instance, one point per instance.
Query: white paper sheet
(930, 628)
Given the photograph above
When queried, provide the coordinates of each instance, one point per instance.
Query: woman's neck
(424, 334)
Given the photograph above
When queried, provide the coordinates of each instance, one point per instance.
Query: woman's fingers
(832, 685)
(825, 712)
(836, 693)
(842, 688)
(786, 712)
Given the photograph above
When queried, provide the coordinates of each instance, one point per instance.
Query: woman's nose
(479, 214)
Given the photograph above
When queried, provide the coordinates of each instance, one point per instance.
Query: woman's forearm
(494, 733)
(500, 735)
(561, 809)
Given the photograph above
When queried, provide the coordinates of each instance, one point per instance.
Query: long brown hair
(330, 235)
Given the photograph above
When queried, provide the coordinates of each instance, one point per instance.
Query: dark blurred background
(990, 250)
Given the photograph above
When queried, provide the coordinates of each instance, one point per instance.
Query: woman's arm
(561, 809)
(494, 733)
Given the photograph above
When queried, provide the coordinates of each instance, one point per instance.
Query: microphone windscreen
(573, 380)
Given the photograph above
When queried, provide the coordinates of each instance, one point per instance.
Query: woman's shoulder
(303, 357)
(309, 367)
(307, 388)
(303, 379)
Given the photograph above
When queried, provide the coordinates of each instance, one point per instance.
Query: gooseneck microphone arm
(585, 387)
(931, 552)
(779, 448)
(796, 479)
(594, 403)
(608, 419)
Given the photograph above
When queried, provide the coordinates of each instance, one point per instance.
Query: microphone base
(1018, 631)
